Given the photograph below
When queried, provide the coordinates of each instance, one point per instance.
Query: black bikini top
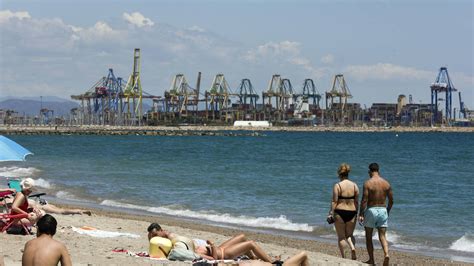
(342, 197)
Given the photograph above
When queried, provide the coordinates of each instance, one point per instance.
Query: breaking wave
(281, 222)
(18, 172)
(40, 182)
(65, 195)
(465, 243)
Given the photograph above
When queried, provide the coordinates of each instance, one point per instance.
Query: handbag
(330, 219)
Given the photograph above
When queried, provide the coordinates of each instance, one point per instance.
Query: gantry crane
(442, 84)
(247, 95)
(282, 91)
(341, 92)
(133, 91)
(181, 96)
(217, 98)
(309, 93)
(101, 103)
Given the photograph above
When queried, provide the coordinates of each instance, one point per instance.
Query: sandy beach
(88, 250)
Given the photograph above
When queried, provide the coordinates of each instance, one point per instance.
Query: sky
(383, 48)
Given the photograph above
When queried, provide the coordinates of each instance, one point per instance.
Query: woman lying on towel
(20, 203)
(300, 259)
(235, 247)
(50, 208)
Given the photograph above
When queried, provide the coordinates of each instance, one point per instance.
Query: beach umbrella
(12, 151)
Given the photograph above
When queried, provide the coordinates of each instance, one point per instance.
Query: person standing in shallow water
(376, 191)
(343, 210)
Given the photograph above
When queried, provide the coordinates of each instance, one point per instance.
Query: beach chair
(15, 184)
(3, 202)
(8, 221)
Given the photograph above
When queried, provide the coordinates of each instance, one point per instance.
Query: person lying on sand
(233, 248)
(230, 249)
(50, 208)
(44, 250)
(300, 259)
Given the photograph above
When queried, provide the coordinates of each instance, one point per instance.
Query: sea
(275, 182)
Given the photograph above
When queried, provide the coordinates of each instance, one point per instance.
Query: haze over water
(280, 181)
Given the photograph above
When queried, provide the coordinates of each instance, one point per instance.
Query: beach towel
(91, 231)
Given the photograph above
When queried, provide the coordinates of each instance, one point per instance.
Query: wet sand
(98, 251)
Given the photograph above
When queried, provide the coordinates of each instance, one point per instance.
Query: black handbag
(330, 220)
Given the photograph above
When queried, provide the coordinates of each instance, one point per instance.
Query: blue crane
(442, 84)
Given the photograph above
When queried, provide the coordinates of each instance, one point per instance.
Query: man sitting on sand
(44, 250)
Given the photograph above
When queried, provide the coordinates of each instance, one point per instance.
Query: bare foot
(386, 261)
(353, 254)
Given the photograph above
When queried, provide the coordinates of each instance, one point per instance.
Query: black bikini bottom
(345, 215)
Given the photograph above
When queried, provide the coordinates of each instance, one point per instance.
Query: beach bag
(159, 247)
(182, 254)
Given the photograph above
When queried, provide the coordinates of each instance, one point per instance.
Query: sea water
(280, 182)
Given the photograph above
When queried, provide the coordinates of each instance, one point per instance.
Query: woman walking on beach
(344, 208)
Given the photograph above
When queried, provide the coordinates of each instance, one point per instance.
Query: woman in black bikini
(344, 208)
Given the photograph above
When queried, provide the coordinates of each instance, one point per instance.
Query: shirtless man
(44, 250)
(374, 211)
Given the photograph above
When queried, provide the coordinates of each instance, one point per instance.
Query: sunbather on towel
(50, 208)
(300, 259)
(20, 202)
(202, 247)
(44, 250)
(230, 250)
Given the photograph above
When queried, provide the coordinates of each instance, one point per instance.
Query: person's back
(378, 191)
(44, 250)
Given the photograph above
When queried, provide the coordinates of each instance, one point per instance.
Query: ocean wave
(392, 237)
(18, 172)
(40, 182)
(65, 195)
(280, 222)
(465, 243)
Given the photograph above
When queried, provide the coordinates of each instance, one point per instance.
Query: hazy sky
(383, 48)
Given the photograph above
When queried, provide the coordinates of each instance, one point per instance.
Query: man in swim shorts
(374, 211)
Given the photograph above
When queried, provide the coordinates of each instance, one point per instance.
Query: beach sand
(87, 250)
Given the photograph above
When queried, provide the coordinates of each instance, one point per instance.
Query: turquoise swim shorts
(376, 217)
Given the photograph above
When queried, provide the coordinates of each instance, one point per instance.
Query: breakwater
(204, 130)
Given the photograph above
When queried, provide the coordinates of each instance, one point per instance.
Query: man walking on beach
(374, 211)
(44, 250)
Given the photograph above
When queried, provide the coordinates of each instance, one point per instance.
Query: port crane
(442, 84)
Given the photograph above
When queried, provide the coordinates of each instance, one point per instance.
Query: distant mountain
(30, 106)
(27, 107)
(37, 98)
